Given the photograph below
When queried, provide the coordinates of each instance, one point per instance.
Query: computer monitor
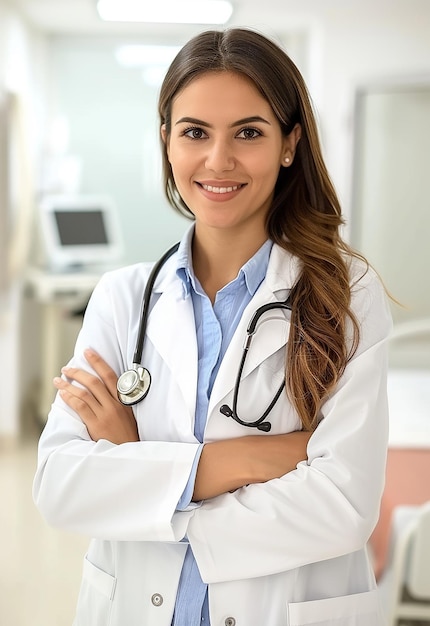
(80, 231)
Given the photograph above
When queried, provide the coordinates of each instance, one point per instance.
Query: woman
(195, 517)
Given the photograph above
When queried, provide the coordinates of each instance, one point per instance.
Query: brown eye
(194, 133)
(249, 133)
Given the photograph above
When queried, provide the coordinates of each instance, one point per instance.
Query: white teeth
(220, 189)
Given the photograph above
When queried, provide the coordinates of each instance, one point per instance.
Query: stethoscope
(133, 385)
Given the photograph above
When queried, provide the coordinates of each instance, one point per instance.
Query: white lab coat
(287, 552)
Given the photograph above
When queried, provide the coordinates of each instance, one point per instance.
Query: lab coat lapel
(269, 338)
(171, 329)
(271, 335)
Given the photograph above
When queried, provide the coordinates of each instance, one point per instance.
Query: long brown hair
(305, 217)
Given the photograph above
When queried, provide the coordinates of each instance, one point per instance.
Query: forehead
(220, 92)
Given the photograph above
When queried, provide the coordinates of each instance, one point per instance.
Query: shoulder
(284, 268)
(126, 284)
(120, 288)
(364, 279)
(127, 276)
(369, 302)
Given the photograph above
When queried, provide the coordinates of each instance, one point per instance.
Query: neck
(218, 257)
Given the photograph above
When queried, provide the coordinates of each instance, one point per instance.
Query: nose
(220, 156)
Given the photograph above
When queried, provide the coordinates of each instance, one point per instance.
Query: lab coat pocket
(360, 609)
(95, 596)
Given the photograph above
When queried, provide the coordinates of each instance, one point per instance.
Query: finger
(91, 382)
(80, 400)
(105, 372)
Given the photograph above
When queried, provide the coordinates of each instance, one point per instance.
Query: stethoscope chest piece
(133, 385)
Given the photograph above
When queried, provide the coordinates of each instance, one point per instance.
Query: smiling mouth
(221, 190)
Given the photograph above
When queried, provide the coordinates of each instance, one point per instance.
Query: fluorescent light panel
(167, 11)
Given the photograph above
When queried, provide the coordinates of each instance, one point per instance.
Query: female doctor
(214, 500)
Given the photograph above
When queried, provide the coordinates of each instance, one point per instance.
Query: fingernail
(89, 352)
(57, 380)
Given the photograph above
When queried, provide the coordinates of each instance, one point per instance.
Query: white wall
(361, 46)
(22, 63)
(393, 191)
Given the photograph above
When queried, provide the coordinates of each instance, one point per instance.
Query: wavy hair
(305, 216)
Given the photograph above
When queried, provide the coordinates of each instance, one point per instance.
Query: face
(225, 150)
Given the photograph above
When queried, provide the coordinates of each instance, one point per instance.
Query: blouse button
(230, 621)
(157, 599)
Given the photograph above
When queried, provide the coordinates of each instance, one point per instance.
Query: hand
(96, 403)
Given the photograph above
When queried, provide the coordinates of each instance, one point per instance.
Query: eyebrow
(245, 120)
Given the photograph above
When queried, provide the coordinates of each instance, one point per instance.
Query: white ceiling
(80, 16)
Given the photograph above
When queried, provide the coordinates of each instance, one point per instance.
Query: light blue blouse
(215, 326)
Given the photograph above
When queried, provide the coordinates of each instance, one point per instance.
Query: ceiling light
(168, 11)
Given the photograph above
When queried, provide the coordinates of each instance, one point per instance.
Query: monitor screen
(79, 231)
(81, 228)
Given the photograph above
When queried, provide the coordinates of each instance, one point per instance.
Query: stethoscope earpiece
(133, 385)
(264, 426)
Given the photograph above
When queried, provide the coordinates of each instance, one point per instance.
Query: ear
(165, 138)
(290, 145)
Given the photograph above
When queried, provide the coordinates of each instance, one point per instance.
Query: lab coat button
(230, 621)
(157, 599)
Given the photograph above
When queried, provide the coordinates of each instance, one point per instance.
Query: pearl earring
(287, 159)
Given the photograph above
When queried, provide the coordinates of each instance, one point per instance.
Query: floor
(41, 567)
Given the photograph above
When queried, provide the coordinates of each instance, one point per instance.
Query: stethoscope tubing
(137, 358)
(260, 423)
